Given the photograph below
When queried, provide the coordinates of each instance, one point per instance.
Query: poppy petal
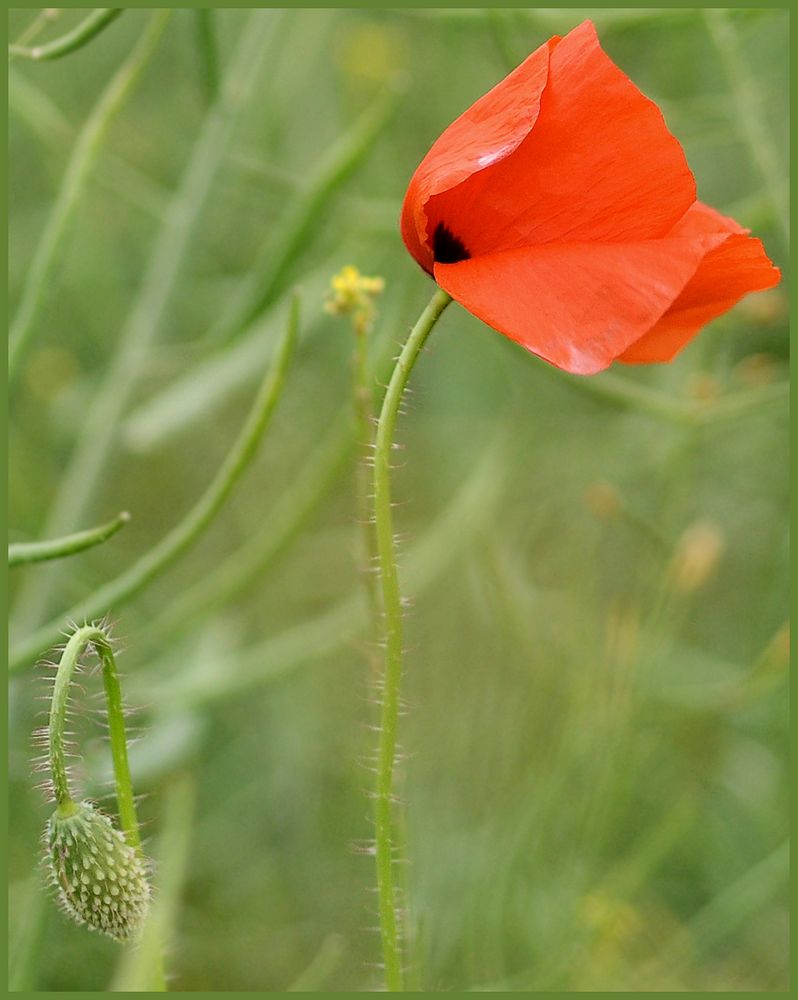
(578, 306)
(490, 130)
(599, 164)
(725, 275)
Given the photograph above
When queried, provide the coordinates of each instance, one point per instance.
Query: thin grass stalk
(282, 525)
(97, 21)
(268, 275)
(120, 591)
(138, 969)
(47, 255)
(21, 553)
(79, 483)
(207, 51)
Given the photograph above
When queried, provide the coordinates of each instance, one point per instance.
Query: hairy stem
(364, 415)
(97, 637)
(392, 639)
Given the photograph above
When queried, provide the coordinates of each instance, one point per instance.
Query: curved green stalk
(392, 638)
(281, 525)
(46, 16)
(98, 638)
(124, 587)
(267, 276)
(99, 18)
(21, 553)
(78, 484)
(81, 163)
(207, 51)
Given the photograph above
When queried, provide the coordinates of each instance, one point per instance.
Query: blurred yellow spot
(603, 500)
(371, 53)
(353, 294)
(697, 555)
(622, 633)
(613, 919)
(768, 308)
(50, 370)
(704, 388)
(757, 369)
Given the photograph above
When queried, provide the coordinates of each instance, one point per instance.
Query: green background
(596, 772)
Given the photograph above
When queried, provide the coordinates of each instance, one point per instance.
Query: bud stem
(392, 638)
(96, 636)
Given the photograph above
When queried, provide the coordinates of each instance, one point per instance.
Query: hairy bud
(101, 880)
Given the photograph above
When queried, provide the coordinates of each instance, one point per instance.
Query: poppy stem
(94, 637)
(392, 641)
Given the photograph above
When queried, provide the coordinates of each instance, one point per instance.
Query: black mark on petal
(446, 247)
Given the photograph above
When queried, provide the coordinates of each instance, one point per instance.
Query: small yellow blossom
(352, 294)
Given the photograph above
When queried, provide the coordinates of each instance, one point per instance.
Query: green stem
(141, 968)
(159, 558)
(392, 638)
(81, 163)
(78, 484)
(97, 637)
(269, 272)
(207, 51)
(21, 553)
(99, 18)
(282, 524)
(42, 19)
(364, 416)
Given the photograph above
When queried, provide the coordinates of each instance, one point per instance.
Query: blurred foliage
(597, 776)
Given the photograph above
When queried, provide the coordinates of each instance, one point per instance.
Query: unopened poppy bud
(101, 880)
(697, 555)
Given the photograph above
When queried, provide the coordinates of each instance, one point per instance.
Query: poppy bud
(101, 880)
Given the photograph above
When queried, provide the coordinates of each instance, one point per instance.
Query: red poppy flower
(561, 211)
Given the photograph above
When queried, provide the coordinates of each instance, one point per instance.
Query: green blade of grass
(97, 21)
(145, 320)
(138, 969)
(267, 276)
(111, 596)
(57, 548)
(725, 37)
(282, 526)
(87, 147)
(207, 51)
(340, 625)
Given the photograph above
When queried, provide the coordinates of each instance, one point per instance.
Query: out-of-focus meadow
(597, 644)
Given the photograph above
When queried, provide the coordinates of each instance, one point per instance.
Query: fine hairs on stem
(98, 871)
(384, 820)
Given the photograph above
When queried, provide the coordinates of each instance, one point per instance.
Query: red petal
(488, 131)
(726, 274)
(599, 164)
(578, 306)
